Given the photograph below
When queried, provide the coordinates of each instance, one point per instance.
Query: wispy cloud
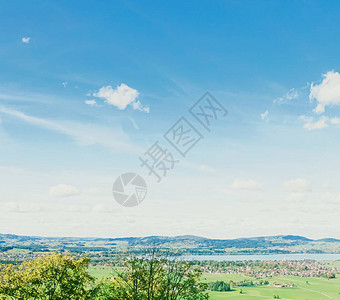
(296, 197)
(245, 184)
(11, 96)
(134, 123)
(83, 134)
(297, 189)
(298, 185)
(331, 198)
(292, 94)
(18, 207)
(63, 190)
(90, 102)
(264, 115)
(138, 106)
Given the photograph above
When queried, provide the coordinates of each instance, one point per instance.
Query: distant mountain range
(186, 244)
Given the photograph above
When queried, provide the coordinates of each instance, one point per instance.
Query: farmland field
(315, 289)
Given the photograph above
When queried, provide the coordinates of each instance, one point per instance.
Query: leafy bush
(52, 277)
(219, 286)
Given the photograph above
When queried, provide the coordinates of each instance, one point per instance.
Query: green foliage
(219, 286)
(58, 277)
(51, 277)
(244, 283)
(154, 278)
(276, 297)
(265, 282)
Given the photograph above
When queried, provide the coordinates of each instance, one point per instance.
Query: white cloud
(264, 115)
(245, 184)
(17, 207)
(327, 92)
(64, 84)
(11, 170)
(335, 121)
(121, 97)
(63, 190)
(11, 207)
(92, 191)
(206, 168)
(90, 102)
(101, 208)
(26, 40)
(322, 123)
(310, 125)
(296, 197)
(306, 119)
(197, 167)
(299, 185)
(331, 198)
(79, 208)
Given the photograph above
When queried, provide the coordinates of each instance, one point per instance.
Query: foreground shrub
(51, 277)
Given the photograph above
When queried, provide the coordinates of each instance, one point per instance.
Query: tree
(50, 277)
(219, 286)
(155, 278)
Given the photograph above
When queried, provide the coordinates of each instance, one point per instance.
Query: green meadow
(305, 288)
(100, 271)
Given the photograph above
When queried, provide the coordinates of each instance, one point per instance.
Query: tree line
(57, 277)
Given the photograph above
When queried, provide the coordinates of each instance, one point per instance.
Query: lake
(263, 257)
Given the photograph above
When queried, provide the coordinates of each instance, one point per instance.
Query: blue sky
(85, 89)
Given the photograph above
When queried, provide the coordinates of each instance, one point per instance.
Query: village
(261, 269)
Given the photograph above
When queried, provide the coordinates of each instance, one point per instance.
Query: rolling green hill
(183, 244)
